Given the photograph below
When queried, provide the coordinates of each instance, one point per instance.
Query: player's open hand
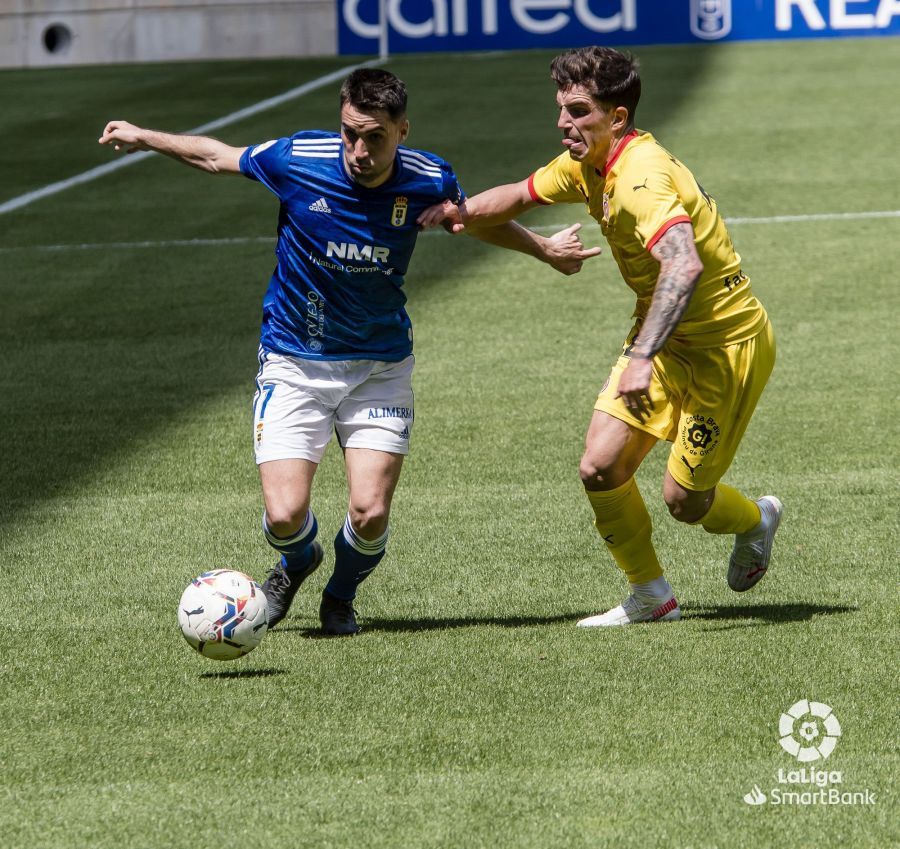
(565, 251)
(445, 213)
(122, 134)
(634, 387)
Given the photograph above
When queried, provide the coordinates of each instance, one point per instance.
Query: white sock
(657, 589)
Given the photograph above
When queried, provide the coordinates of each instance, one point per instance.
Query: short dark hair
(610, 76)
(369, 89)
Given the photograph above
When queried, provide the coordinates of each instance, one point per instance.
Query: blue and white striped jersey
(343, 249)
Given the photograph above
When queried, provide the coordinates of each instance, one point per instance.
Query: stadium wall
(76, 32)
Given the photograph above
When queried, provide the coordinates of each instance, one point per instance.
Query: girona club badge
(710, 19)
(398, 214)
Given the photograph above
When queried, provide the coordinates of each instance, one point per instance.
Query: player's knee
(369, 519)
(681, 512)
(685, 506)
(284, 520)
(599, 471)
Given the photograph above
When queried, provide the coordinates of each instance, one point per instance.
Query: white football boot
(753, 550)
(636, 608)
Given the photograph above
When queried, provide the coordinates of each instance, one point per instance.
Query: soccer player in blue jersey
(336, 343)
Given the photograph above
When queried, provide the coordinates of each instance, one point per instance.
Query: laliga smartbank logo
(816, 726)
(809, 731)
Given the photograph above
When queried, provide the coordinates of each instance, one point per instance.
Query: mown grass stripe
(246, 240)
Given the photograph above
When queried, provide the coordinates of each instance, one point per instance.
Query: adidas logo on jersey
(321, 205)
(404, 434)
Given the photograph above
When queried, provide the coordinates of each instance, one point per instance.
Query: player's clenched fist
(122, 134)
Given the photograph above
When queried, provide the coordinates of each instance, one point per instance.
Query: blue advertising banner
(433, 25)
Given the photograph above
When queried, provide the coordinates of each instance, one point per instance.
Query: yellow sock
(624, 524)
(730, 513)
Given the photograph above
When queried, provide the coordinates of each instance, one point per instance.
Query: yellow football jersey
(642, 192)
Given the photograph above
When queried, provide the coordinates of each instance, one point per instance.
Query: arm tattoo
(679, 271)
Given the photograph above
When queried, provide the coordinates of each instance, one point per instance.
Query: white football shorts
(299, 402)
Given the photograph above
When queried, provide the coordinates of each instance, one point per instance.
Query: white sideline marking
(822, 216)
(164, 243)
(245, 240)
(130, 159)
(784, 219)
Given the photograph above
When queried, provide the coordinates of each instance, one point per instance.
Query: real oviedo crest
(710, 19)
(398, 214)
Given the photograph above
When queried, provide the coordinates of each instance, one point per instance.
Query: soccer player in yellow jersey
(701, 349)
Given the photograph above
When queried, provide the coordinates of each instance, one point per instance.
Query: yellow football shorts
(702, 401)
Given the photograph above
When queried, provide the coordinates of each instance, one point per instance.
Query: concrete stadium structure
(35, 33)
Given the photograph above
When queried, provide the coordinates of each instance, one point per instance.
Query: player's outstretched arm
(486, 209)
(563, 251)
(197, 151)
(488, 216)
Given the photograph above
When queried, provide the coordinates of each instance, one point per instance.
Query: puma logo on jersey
(691, 468)
(350, 250)
(641, 186)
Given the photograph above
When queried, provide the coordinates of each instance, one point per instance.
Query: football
(223, 614)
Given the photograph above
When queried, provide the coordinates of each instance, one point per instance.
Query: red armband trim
(680, 219)
(533, 192)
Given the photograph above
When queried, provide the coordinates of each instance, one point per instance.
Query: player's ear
(404, 129)
(620, 118)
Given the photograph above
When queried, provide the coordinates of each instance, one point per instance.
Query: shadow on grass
(243, 673)
(737, 615)
(408, 626)
(752, 615)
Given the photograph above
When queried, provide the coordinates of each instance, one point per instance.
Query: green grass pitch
(470, 712)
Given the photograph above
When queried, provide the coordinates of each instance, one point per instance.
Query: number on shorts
(267, 391)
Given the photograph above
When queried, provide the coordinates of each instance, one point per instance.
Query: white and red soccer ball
(223, 614)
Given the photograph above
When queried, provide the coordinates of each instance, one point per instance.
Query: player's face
(587, 127)
(370, 143)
